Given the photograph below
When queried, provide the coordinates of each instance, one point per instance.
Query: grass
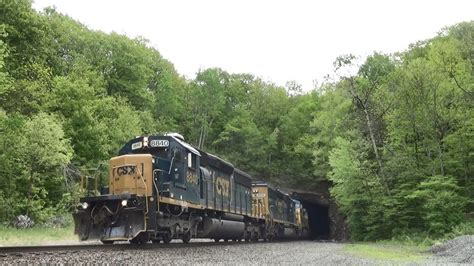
(391, 252)
(36, 236)
(406, 248)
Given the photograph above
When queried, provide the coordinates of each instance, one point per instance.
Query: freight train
(161, 188)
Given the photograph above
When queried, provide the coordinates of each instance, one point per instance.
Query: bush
(58, 221)
(464, 228)
(7, 207)
(442, 207)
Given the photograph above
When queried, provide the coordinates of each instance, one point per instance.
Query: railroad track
(46, 249)
(18, 250)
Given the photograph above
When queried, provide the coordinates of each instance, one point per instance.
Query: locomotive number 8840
(162, 188)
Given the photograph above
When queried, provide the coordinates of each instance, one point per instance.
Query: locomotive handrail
(146, 191)
(95, 178)
(169, 171)
(156, 188)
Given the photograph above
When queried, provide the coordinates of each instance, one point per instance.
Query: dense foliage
(395, 139)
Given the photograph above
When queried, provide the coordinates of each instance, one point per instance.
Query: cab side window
(192, 161)
(191, 175)
(177, 155)
(178, 167)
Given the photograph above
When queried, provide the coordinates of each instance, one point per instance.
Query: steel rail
(17, 250)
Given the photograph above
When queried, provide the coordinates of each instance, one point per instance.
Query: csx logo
(126, 170)
(222, 186)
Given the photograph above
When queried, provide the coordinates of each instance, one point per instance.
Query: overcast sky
(275, 40)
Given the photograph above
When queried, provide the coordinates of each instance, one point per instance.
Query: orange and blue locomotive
(161, 188)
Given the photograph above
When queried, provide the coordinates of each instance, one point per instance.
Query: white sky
(275, 40)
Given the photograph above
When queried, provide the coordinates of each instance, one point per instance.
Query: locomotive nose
(131, 174)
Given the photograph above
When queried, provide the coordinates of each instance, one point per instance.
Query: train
(162, 188)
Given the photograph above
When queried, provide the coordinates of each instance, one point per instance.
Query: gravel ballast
(457, 250)
(287, 253)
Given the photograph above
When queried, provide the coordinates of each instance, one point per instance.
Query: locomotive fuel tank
(218, 228)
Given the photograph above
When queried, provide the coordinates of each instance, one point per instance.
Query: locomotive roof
(242, 177)
(240, 172)
(206, 158)
(127, 148)
(186, 145)
(260, 183)
(214, 161)
(271, 187)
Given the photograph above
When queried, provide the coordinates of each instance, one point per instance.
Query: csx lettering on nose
(126, 170)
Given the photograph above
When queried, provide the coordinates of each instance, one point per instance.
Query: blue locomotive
(161, 188)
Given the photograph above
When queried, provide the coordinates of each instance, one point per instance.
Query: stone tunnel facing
(324, 219)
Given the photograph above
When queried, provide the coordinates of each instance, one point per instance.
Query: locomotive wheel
(107, 242)
(267, 237)
(137, 242)
(186, 237)
(140, 239)
(166, 239)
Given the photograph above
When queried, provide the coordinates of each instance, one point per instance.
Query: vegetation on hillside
(396, 138)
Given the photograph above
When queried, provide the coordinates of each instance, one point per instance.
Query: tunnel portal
(324, 219)
(318, 220)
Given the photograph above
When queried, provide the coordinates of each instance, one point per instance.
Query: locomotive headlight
(124, 203)
(84, 205)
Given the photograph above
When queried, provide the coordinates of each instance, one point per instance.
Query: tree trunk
(30, 192)
(201, 133)
(440, 156)
(439, 132)
(374, 146)
(364, 106)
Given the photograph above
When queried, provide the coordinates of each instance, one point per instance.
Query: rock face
(22, 221)
(458, 250)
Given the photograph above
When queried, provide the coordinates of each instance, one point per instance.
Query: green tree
(243, 144)
(441, 205)
(23, 32)
(332, 119)
(34, 151)
(207, 102)
(356, 191)
(365, 89)
(294, 154)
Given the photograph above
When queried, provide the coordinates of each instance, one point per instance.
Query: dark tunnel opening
(318, 220)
